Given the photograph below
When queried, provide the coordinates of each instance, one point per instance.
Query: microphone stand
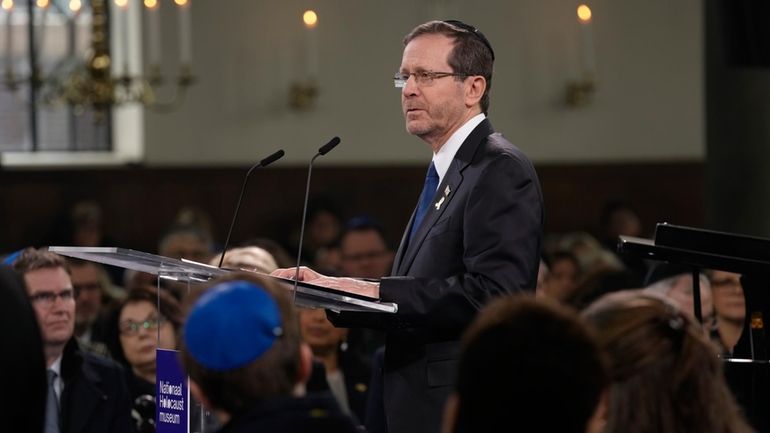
(265, 162)
(326, 148)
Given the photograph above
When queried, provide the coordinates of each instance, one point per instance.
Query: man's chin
(416, 128)
(59, 336)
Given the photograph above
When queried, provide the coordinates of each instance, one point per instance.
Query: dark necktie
(428, 191)
(51, 406)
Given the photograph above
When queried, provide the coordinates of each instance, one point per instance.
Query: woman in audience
(563, 276)
(141, 330)
(347, 373)
(730, 307)
(665, 373)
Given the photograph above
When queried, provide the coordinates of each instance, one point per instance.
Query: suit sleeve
(501, 236)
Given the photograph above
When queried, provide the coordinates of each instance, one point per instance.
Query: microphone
(323, 150)
(265, 162)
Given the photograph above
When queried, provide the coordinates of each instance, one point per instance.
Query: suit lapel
(448, 189)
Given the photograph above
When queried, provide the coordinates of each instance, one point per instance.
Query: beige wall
(649, 105)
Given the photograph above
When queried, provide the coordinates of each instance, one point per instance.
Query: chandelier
(105, 77)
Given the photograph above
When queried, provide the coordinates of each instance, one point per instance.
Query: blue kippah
(231, 325)
(12, 258)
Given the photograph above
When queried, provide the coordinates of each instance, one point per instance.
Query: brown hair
(273, 374)
(666, 376)
(169, 306)
(522, 357)
(471, 53)
(32, 259)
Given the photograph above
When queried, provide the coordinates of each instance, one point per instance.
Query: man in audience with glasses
(86, 393)
(475, 233)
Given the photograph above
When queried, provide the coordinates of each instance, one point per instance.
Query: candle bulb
(42, 4)
(185, 33)
(589, 63)
(120, 33)
(7, 6)
(75, 6)
(310, 18)
(152, 14)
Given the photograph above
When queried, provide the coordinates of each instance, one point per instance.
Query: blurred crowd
(609, 343)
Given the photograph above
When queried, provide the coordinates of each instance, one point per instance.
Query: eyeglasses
(48, 299)
(129, 327)
(423, 78)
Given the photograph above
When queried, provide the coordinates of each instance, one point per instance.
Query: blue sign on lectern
(172, 408)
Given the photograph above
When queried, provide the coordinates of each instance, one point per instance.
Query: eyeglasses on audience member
(47, 299)
(130, 327)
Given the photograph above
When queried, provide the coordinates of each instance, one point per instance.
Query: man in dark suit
(475, 234)
(86, 393)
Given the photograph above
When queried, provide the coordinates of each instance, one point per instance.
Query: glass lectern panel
(171, 408)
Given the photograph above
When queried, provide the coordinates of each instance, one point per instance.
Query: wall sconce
(303, 93)
(580, 92)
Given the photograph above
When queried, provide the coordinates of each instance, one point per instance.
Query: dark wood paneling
(140, 202)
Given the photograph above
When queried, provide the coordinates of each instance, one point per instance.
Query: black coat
(95, 398)
(481, 239)
(316, 413)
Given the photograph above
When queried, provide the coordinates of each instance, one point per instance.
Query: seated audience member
(139, 325)
(255, 380)
(674, 282)
(528, 365)
(621, 219)
(563, 275)
(93, 292)
(249, 258)
(186, 242)
(601, 270)
(85, 226)
(324, 224)
(594, 259)
(364, 251)
(23, 372)
(178, 242)
(279, 253)
(86, 392)
(664, 371)
(730, 308)
(346, 372)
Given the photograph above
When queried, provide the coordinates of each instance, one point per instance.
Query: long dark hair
(666, 376)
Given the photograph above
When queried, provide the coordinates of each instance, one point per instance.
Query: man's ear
(305, 363)
(474, 89)
(450, 413)
(598, 420)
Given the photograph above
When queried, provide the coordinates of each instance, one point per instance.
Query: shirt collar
(56, 366)
(443, 158)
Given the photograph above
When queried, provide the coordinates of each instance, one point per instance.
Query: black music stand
(748, 369)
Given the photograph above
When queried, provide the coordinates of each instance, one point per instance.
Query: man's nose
(410, 86)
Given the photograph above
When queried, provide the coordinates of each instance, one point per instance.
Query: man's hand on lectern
(350, 285)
